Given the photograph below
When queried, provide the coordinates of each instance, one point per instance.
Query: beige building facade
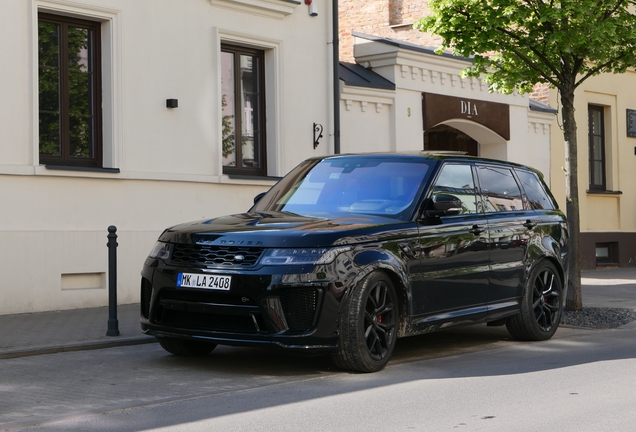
(606, 138)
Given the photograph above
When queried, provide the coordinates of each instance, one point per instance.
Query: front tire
(541, 306)
(368, 327)
(185, 347)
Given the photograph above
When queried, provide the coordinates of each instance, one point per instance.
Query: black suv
(347, 253)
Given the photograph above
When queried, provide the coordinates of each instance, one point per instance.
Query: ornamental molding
(277, 9)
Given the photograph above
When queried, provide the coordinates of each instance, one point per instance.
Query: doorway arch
(467, 136)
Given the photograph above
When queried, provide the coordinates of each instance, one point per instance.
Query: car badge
(238, 258)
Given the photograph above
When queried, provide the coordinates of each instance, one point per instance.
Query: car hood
(280, 229)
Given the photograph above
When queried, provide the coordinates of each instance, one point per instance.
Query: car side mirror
(258, 197)
(444, 205)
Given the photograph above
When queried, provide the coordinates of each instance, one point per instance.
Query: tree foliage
(516, 44)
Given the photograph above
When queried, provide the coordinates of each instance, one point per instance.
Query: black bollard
(113, 324)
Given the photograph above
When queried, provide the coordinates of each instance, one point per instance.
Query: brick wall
(385, 18)
(541, 93)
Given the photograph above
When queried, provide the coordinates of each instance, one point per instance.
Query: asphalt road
(467, 379)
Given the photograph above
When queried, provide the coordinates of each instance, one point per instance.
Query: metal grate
(146, 295)
(221, 256)
(300, 305)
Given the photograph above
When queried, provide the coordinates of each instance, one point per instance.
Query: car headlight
(289, 256)
(161, 251)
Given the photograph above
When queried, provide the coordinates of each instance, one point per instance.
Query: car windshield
(371, 185)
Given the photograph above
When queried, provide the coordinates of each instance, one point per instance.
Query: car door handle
(476, 229)
(530, 224)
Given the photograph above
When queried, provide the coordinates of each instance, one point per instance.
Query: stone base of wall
(623, 245)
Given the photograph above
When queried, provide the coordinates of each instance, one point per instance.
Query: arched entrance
(446, 138)
(477, 127)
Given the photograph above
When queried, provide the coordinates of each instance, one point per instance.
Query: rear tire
(185, 347)
(368, 327)
(541, 306)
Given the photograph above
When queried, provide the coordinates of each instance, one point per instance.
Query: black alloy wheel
(368, 330)
(541, 306)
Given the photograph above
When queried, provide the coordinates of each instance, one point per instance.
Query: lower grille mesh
(203, 321)
(300, 305)
(146, 295)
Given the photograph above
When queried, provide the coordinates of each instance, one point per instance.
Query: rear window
(538, 197)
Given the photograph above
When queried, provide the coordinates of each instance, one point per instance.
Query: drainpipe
(336, 79)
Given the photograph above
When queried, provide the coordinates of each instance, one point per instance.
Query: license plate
(191, 280)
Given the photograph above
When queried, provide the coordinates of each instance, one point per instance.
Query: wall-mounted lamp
(313, 9)
(317, 134)
(172, 103)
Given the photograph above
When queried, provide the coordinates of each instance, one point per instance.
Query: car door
(452, 279)
(509, 224)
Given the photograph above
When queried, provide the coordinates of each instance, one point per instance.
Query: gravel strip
(600, 318)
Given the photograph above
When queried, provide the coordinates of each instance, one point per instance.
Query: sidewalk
(69, 330)
(82, 329)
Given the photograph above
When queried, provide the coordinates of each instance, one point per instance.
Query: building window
(243, 107)
(69, 91)
(606, 253)
(596, 144)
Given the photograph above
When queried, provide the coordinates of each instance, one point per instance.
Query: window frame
(95, 83)
(261, 170)
(591, 109)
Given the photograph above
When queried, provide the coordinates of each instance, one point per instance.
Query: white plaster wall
(64, 231)
(15, 149)
(54, 223)
(409, 131)
(365, 127)
(530, 139)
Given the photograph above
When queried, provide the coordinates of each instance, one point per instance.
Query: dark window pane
(535, 191)
(228, 109)
(596, 147)
(457, 180)
(69, 91)
(49, 88)
(243, 110)
(500, 189)
(250, 103)
(79, 79)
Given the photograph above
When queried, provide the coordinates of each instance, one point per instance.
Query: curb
(82, 346)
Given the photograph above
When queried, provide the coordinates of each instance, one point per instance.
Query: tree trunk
(574, 300)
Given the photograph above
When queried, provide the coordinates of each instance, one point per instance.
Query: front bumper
(297, 311)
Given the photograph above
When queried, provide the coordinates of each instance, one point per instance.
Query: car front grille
(216, 256)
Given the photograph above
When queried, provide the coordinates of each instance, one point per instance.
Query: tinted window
(537, 196)
(457, 180)
(499, 189)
